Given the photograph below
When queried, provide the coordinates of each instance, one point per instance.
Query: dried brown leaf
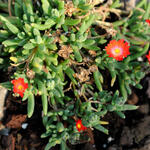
(69, 8)
(16, 121)
(30, 74)
(92, 68)
(65, 51)
(83, 76)
(92, 53)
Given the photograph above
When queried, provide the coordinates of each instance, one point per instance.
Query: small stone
(3, 93)
(140, 59)
(24, 125)
(104, 145)
(4, 131)
(110, 139)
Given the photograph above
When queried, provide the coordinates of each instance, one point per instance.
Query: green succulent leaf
(43, 90)
(72, 22)
(31, 104)
(101, 128)
(8, 85)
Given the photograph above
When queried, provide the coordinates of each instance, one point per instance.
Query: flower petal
(117, 49)
(19, 86)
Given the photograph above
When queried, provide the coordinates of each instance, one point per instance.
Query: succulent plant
(61, 50)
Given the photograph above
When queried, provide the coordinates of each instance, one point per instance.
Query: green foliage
(30, 104)
(64, 51)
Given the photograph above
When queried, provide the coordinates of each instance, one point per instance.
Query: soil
(17, 132)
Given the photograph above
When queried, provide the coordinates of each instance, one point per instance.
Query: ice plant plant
(19, 86)
(148, 21)
(117, 49)
(80, 126)
(60, 52)
(148, 57)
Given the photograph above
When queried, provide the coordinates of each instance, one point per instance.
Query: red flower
(19, 86)
(117, 49)
(148, 21)
(80, 126)
(148, 57)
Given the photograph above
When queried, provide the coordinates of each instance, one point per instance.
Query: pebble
(3, 93)
(110, 139)
(24, 125)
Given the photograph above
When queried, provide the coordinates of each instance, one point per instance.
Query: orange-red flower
(117, 49)
(148, 57)
(19, 86)
(148, 21)
(80, 126)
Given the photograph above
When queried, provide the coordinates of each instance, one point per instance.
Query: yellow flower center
(20, 87)
(117, 50)
(79, 125)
